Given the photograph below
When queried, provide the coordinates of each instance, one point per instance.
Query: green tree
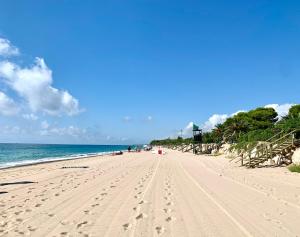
(294, 112)
(262, 118)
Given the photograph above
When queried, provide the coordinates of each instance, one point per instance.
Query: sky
(124, 72)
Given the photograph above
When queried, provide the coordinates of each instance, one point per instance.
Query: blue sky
(136, 70)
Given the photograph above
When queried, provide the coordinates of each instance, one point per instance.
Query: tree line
(243, 128)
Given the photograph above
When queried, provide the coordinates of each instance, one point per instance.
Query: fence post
(242, 160)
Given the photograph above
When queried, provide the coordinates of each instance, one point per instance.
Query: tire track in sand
(240, 226)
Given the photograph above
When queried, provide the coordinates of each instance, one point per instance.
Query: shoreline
(57, 159)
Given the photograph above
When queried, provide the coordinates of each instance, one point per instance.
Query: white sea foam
(50, 159)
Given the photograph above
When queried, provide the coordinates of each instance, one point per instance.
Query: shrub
(294, 168)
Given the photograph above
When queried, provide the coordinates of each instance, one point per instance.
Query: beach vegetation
(246, 129)
(294, 111)
(294, 168)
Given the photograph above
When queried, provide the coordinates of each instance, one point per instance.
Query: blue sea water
(20, 154)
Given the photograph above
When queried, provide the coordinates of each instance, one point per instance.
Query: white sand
(149, 195)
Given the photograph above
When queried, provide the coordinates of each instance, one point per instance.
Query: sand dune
(142, 194)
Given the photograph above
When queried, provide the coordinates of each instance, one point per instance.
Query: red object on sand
(160, 152)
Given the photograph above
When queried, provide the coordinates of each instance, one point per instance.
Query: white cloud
(7, 49)
(31, 116)
(34, 84)
(72, 131)
(214, 120)
(12, 130)
(218, 119)
(187, 131)
(7, 105)
(282, 110)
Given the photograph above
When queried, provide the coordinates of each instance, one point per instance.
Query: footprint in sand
(19, 220)
(31, 228)
(81, 224)
(21, 232)
(38, 205)
(141, 216)
(159, 229)
(170, 218)
(3, 224)
(103, 194)
(65, 223)
(83, 234)
(143, 202)
(167, 210)
(127, 226)
(51, 214)
(170, 204)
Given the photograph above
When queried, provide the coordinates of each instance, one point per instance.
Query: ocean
(22, 154)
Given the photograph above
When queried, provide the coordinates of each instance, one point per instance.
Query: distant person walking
(129, 148)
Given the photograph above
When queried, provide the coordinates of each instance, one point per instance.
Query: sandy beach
(142, 194)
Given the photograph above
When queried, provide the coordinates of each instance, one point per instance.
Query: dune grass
(294, 168)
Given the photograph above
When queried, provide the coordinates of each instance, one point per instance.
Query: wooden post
(242, 160)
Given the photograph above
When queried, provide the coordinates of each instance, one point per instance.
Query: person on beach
(117, 153)
(129, 148)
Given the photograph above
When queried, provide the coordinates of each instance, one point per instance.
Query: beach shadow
(16, 183)
(74, 167)
(3, 193)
